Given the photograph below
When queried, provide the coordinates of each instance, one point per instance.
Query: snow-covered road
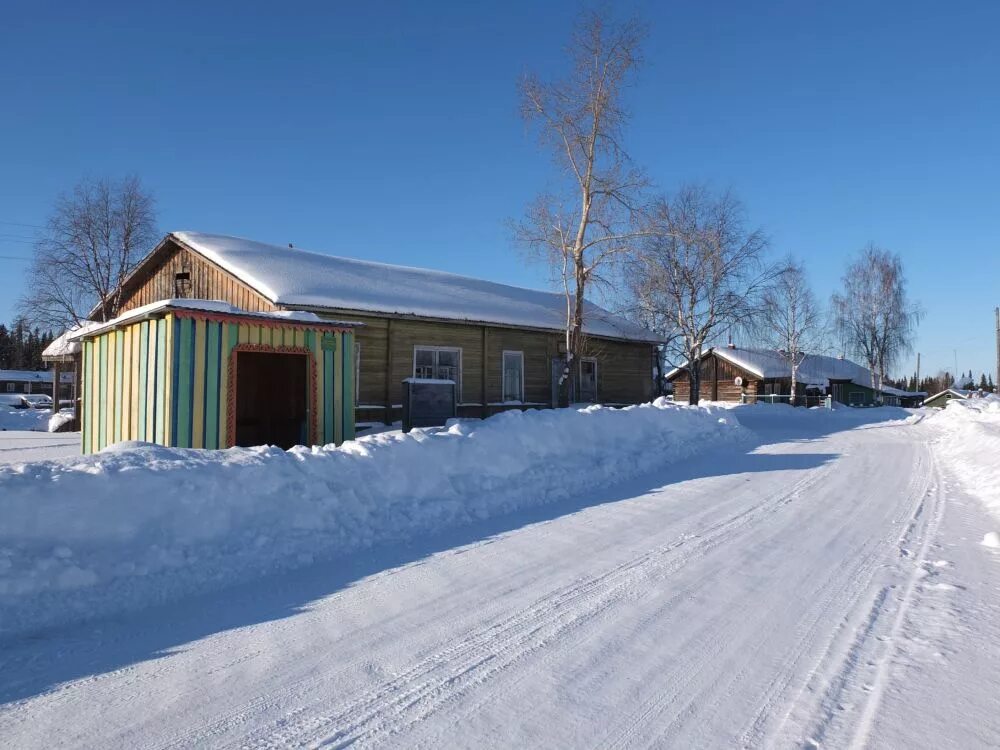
(825, 589)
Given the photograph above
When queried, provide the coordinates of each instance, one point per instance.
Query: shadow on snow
(31, 664)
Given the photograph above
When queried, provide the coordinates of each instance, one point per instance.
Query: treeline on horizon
(932, 384)
(21, 346)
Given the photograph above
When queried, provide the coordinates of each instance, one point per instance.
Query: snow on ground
(24, 419)
(817, 584)
(970, 439)
(20, 446)
(138, 523)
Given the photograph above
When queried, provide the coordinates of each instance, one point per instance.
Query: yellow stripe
(126, 394)
(109, 402)
(300, 338)
(255, 334)
(136, 385)
(244, 334)
(97, 396)
(150, 379)
(198, 412)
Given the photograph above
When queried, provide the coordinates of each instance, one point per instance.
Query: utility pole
(997, 381)
(916, 387)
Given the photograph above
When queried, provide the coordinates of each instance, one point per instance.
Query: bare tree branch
(93, 239)
(581, 119)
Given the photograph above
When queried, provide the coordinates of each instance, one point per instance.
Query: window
(438, 363)
(513, 376)
(588, 380)
(10, 387)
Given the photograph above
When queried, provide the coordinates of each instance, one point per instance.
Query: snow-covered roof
(956, 392)
(816, 369)
(34, 376)
(299, 278)
(209, 306)
(899, 392)
(65, 346)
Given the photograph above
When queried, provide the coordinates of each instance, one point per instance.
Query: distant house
(35, 381)
(941, 399)
(738, 374)
(502, 345)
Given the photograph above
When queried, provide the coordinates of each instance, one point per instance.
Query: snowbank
(35, 420)
(138, 523)
(970, 442)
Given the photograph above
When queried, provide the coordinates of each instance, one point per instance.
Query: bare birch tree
(702, 269)
(592, 220)
(874, 314)
(790, 321)
(93, 239)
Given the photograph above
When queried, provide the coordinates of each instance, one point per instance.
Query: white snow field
(811, 579)
(20, 446)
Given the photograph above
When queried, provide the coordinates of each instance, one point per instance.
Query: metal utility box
(428, 403)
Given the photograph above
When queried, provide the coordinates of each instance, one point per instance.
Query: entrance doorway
(271, 399)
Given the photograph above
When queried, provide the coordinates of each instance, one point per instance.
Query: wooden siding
(207, 281)
(718, 381)
(386, 344)
(121, 393)
(172, 380)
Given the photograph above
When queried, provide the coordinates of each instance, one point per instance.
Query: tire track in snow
(434, 682)
(841, 662)
(690, 691)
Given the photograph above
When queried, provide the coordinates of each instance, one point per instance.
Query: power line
(15, 257)
(21, 224)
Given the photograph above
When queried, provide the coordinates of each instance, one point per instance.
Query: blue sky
(391, 131)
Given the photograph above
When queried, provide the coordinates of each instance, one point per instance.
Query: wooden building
(502, 345)
(941, 399)
(35, 381)
(740, 374)
(202, 374)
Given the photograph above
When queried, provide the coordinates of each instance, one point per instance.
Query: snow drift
(970, 442)
(138, 523)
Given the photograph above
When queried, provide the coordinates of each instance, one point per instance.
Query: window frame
(503, 375)
(579, 379)
(455, 349)
(11, 387)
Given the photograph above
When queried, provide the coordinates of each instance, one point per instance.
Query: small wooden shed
(204, 374)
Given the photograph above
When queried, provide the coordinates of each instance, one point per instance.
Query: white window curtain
(513, 376)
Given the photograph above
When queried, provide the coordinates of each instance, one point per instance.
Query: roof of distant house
(34, 376)
(816, 369)
(294, 278)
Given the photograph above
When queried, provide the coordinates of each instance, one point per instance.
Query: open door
(272, 399)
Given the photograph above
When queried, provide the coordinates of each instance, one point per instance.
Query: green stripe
(160, 373)
(184, 336)
(88, 388)
(102, 394)
(141, 385)
(214, 332)
(327, 385)
(119, 394)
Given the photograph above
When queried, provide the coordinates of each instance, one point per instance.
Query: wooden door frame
(312, 379)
